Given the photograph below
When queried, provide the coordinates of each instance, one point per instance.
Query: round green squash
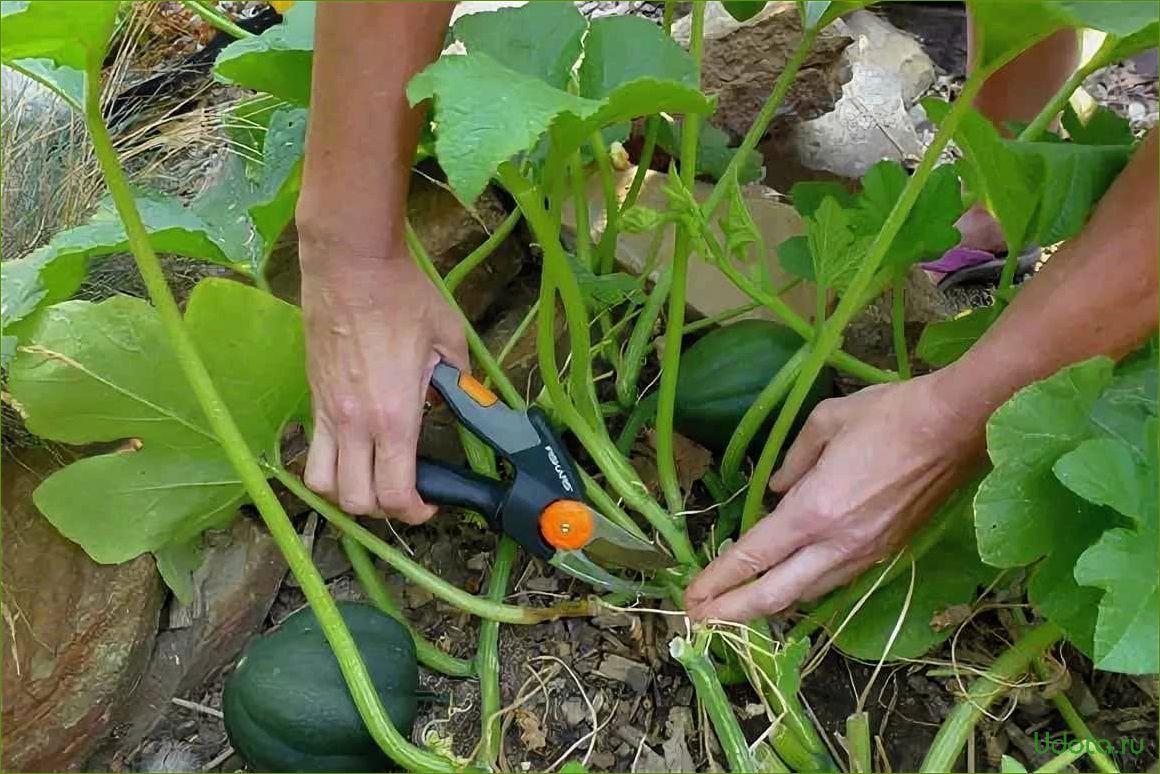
(286, 705)
(722, 374)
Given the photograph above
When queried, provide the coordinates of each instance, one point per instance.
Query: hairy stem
(898, 327)
(831, 335)
(236, 449)
(952, 735)
(429, 654)
(652, 126)
(712, 696)
(761, 123)
(487, 656)
(671, 362)
(606, 251)
(480, 254)
(421, 576)
(580, 208)
(638, 341)
(719, 318)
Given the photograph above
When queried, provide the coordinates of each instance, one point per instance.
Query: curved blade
(576, 564)
(612, 544)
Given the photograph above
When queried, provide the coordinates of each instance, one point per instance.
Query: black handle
(441, 484)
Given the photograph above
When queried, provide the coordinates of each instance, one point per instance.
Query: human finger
(355, 459)
(819, 428)
(780, 587)
(321, 461)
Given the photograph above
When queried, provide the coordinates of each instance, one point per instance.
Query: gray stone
(622, 670)
(77, 635)
(742, 60)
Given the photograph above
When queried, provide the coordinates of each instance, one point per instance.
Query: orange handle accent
(566, 525)
(476, 391)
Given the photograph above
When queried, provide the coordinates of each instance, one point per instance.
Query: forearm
(1096, 296)
(362, 133)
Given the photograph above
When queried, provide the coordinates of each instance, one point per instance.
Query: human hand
(375, 328)
(865, 471)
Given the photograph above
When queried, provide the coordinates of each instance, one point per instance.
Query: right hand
(375, 328)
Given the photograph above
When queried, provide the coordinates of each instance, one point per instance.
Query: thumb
(820, 427)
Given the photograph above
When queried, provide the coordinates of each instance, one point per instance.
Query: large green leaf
(58, 42)
(835, 248)
(945, 341)
(948, 574)
(742, 10)
(105, 372)
(53, 273)
(929, 229)
(1123, 561)
(486, 113)
(1024, 513)
(541, 40)
(1006, 182)
(713, 152)
(276, 62)
(1103, 127)
(620, 49)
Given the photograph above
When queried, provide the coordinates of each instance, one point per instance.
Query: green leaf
(820, 13)
(1123, 561)
(738, 227)
(742, 10)
(622, 49)
(808, 196)
(105, 372)
(1007, 182)
(54, 272)
(1103, 127)
(486, 113)
(1022, 511)
(638, 218)
(177, 562)
(948, 574)
(57, 43)
(1104, 471)
(541, 40)
(601, 291)
(794, 256)
(945, 341)
(1009, 765)
(1074, 178)
(833, 245)
(278, 61)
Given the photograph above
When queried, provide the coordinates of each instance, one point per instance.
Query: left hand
(864, 473)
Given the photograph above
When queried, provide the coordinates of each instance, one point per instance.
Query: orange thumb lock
(566, 524)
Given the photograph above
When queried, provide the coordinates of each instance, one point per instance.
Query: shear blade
(612, 544)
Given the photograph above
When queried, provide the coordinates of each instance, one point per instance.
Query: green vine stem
(858, 743)
(1055, 105)
(478, 349)
(952, 735)
(712, 696)
(638, 341)
(772, 394)
(487, 657)
(760, 124)
(1061, 761)
(459, 271)
(671, 362)
(898, 327)
(652, 126)
(580, 208)
(349, 659)
(421, 576)
(831, 335)
(606, 252)
(719, 318)
(219, 20)
(368, 577)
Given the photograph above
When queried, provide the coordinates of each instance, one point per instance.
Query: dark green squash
(286, 705)
(724, 372)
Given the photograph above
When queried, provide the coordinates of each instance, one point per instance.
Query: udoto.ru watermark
(1057, 744)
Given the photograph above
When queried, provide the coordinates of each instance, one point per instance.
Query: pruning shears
(542, 507)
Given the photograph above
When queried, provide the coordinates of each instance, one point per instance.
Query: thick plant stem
(760, 124)
(429, 655)
(671, 362)
(606, 250)
(1061, 761)
(234, 446)
(478, 349)
(580, 208)
(480, 254)
(469, 603)
(898, 327)
(952, 735)
(547, 233)
(858, 743)
(619, 473)
(712, 696)
(487, 657)
(217, 19)
(638, 341)
(831, 336)
(755, 416)
(719, 318)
